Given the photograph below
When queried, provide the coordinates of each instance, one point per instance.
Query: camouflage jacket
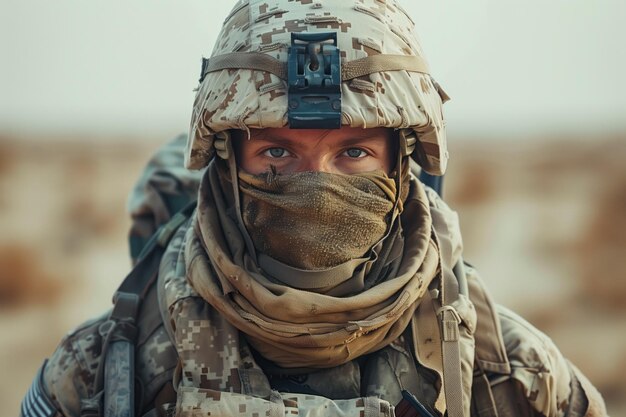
(517, 370)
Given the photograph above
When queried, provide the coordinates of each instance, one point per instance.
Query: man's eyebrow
(274, 139)
(349, 140)
(354, 140)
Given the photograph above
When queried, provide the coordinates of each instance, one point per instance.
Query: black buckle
(126, 306)
(205, 64)
(410, 406)
(314, 78)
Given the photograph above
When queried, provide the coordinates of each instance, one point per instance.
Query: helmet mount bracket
(314, 79)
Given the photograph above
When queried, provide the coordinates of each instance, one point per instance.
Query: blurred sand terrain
(544, 221)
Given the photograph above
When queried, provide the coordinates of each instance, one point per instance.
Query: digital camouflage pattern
(70, 373)
(216, 358)
(201, 402)
(164, 188)
(245, 98)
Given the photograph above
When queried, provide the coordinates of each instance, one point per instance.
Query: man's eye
(355, 153)
(276, 152)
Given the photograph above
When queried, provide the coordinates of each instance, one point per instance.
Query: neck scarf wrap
(316, 220)
(317, 318)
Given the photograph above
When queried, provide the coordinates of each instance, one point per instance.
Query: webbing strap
(116, 371)
(349, 70)
(138, 280)
(450, 320)
(380, 63)
(119, 380)
(246, 60)
(482, 396)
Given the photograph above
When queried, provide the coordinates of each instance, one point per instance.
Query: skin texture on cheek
(343, 151)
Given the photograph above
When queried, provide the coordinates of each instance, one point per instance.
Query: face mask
(316, 220)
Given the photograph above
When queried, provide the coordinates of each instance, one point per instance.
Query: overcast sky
(129, 67)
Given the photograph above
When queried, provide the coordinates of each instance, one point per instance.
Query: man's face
(337, 151)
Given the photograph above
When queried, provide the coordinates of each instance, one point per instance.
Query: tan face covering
(316, 220)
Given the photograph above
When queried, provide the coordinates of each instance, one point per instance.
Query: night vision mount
(314, 79)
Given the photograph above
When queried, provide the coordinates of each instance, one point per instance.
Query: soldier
(315, 275)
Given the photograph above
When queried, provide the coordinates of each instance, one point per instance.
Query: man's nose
(315, 164)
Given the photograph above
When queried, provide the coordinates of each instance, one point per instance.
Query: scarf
(297, 327)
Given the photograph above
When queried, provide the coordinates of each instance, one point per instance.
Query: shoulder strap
(450, 321)
(452, 282)
(453, 285)
(115, 374)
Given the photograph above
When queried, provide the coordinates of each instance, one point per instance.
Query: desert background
(537, 139)
(543, 221)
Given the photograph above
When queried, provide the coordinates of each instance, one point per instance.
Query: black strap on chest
(115, 376)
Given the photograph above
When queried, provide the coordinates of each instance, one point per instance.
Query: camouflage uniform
(509, 368)
(527, 374)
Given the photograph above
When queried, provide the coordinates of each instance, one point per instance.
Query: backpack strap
(453, 285)
(483, 403)
(115, 374)
(450, 321)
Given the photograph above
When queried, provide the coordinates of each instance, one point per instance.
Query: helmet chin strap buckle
(223, 145)
(314, 79)
(408, 141)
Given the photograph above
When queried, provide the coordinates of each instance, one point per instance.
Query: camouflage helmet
(384, 82)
